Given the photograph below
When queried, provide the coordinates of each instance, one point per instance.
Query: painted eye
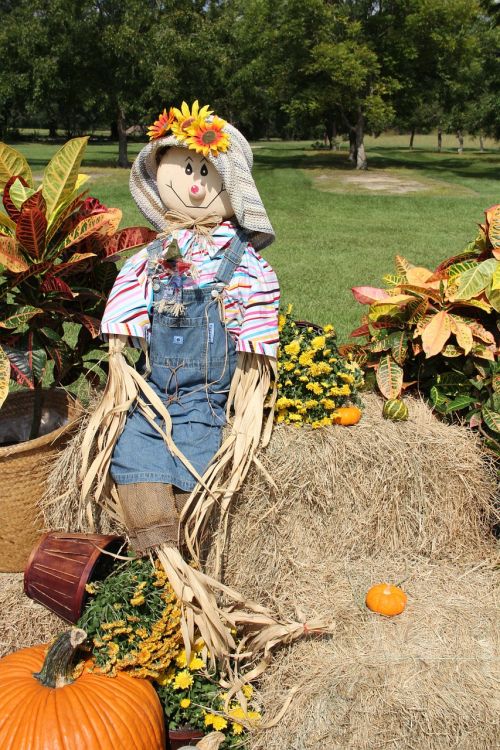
(189, 169)
(204, 170)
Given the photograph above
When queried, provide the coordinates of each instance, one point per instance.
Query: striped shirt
(251, 299)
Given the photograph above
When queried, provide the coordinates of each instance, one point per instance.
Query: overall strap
(155, 248)
(232, 258)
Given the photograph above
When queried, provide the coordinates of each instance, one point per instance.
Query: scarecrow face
(189, 183)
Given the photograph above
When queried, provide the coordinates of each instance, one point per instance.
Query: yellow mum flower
(183, 680)
(293, 347)
(90, 588)
(284, 403)
(289, 366)
(304, 379)
(166, 677)
(315, 388)
(306, 358)
(281, 321)
(185, 703)
(295, 417)
(318, 342)
(346, 377)
(237, 728)
(328, 328)
(328, 404)
(196, 663)
(247, 691)
(219, 723)
(181, 660)
(319, 368)
(280, 418)
(136, 601)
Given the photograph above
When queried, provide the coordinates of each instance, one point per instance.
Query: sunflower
(162, 125)
(186, 118)
(208, 137)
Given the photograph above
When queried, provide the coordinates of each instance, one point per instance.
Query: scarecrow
(202, 305)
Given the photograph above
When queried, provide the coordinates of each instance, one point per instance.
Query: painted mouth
(190, 205)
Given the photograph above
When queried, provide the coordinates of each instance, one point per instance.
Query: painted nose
(197, 192)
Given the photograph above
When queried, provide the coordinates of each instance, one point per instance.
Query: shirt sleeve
(260, 296)
(127, 308)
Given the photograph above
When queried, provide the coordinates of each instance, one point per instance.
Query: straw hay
(428, 679)
(22, 621)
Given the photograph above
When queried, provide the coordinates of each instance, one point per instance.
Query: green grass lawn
(337, 228)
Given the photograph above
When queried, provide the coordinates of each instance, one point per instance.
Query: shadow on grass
(472, 166)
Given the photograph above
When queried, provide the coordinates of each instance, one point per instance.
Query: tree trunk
(460, 139)
(412, 137)
(361, 160)
(122, 139)
(481, 143)
(52, 130)
(334, 144)
(352, 146)
(440, 139)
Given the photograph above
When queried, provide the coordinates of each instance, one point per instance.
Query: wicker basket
(25, 465)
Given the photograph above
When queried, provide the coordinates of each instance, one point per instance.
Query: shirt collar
(218, 240)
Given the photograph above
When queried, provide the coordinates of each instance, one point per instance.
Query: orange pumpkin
(386, 599)
(347, 415)
(51, 711)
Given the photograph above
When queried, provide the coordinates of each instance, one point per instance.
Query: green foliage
(439, 330)
(57, 264)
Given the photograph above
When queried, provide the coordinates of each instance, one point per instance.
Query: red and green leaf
(32, 225)
(55, 284)
(4, 376)
(389, 377)
(98, 224)
(128, 239)
(91, 324)
(436, 333)
(20, 316)
(9, 205)
(12, 164)
(491, 418)
(20, 371)
(10, 257)
(493, 225)
(61, 173)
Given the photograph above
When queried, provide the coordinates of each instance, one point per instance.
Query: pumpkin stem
(58, 666)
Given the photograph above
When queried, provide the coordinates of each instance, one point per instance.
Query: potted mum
(58, 248)
(132, 619)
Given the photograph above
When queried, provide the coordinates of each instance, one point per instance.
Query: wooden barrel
(181, 738)
(61, 565)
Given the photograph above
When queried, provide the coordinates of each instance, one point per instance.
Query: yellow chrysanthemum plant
(314, 379)
(132, 620)
(196, 126)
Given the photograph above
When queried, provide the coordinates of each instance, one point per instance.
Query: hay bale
(426, 679)
(420, 486)
(23, 622)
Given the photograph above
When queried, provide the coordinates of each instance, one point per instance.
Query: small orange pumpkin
(347, 415)
(43, 708)
(386, 599)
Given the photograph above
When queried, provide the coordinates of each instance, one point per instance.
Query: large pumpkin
(43, 708)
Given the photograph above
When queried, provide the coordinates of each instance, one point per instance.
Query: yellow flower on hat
(162, 125)
(186, 117)
(207, 137)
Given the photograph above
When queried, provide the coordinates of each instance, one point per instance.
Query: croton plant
(439, 330)
(58, 248)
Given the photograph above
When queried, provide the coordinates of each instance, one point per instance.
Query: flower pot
(25, 465)
(179, 738)
(62, 564)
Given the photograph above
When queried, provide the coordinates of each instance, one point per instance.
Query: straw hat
(235, 168)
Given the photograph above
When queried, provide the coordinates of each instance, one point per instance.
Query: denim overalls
(192, 363)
